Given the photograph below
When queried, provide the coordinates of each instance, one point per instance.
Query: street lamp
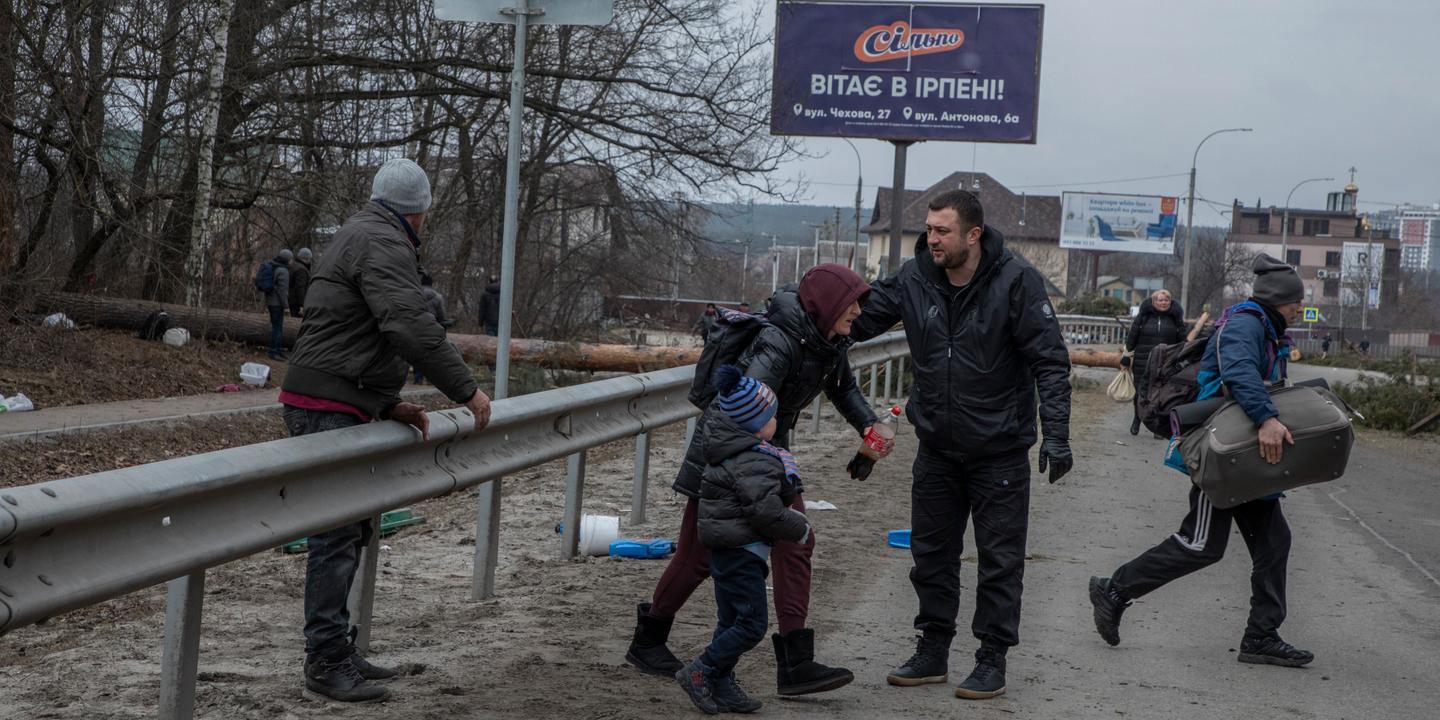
(1190, 219)
(1285, 221)
(859, 183)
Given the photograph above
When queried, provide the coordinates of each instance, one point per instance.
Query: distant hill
(792, 224)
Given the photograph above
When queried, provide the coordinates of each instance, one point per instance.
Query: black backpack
(155, 325)
(1171, 380)
(265, 276)
(729, 338)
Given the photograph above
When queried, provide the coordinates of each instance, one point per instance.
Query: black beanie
(1276, 283)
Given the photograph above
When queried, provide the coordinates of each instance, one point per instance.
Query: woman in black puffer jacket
(1160, 322)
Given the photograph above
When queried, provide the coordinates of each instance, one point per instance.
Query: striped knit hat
(747, 401)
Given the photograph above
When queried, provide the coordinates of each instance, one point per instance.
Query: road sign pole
(520, 13)
(897, 208)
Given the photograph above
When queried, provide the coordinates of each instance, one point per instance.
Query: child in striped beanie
(745, 500)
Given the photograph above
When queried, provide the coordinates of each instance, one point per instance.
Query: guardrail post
(900, 379)
(815, 416)
(889, 382)
(180, 651)
(574, 500)
(690, 429)
(874, 381)
(642, 479)
(487, 542)
(361, 603)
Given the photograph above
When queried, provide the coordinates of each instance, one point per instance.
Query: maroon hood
(827, 290)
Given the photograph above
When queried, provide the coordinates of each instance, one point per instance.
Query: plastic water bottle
(878, 441)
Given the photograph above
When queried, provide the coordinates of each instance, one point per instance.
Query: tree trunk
(200, 236)
(255, 329)
(8, 177)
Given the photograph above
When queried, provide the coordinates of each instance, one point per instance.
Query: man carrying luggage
(1246, 353)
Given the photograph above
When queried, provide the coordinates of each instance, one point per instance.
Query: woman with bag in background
(1161, 322)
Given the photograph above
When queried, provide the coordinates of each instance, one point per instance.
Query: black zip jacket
(745, 496)
(798, 363)
(979, 355)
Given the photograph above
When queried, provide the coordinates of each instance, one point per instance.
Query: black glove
(1056, 454)
(1126, 361)
(860, 467)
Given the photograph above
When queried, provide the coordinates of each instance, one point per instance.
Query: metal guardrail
(75, 542)
(1087, 330)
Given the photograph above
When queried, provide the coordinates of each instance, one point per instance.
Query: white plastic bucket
(176, 337)
(597, 532)
(254, 373)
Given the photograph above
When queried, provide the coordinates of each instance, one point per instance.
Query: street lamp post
(1190, 219)
(859, 261)
(1285, 219)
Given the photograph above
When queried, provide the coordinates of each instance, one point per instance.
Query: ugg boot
(647, 649)
(796, 671)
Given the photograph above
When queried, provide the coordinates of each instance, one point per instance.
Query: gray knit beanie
(305, 254)
(1276, 283)
(402, 185)
(286, 256)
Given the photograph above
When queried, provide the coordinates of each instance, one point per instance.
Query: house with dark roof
(1030, 224)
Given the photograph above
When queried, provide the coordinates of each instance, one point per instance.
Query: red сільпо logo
(898, 40)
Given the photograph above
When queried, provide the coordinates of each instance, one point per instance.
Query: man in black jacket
(983, 339)
(803, 352)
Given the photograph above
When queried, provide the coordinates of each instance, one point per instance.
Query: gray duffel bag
(1223, 454)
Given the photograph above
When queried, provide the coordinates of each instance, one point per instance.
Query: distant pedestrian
(300, 281)
(277, 298)
(747, 489)
(490, 308)
(366, 323)
(1160, 322)
(706, 321)
(1365, 347)
(436, 303)
(1325, 347)
(1247, 353)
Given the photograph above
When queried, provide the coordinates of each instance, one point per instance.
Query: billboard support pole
(897, 207)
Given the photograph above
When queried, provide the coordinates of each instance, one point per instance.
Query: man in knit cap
(300, 281)
(804, 351)
(277, 298)
(1246, 354)
(366, 321)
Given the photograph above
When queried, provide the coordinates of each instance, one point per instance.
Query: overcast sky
(1128, 87)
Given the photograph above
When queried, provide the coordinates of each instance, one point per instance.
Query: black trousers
(332, 556)
(995, 491)
(1201, 542)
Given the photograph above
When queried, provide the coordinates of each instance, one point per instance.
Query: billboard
(1118, 223)
(907, 71)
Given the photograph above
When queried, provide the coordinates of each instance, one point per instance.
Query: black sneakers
(1109, 606)
(987, 680)
(1273, 651)
(341, 681)
(695, 680)
(929, 664)
(730, 697)
(370, 671)
(647, 650)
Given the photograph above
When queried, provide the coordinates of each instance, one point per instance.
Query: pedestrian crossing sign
(1312, 315)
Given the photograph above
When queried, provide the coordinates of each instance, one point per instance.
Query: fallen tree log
(253, 328)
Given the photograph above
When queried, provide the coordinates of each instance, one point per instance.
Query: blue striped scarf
(792, 469)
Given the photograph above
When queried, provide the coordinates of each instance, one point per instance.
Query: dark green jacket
(366, 321)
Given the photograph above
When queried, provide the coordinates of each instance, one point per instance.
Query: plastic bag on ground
(1122, 388)
(254, 373)
(18, 403)
(176, 337)
(60, 320)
